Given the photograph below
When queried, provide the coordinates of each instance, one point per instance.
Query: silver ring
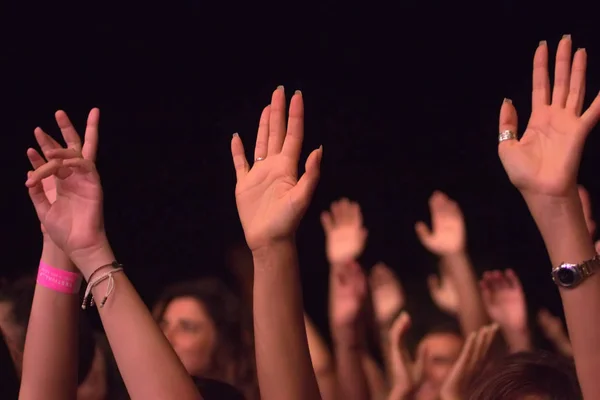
(506, 135)
(259, 159)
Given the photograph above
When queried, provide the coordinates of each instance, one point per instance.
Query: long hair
(232, 360)
(521, 374)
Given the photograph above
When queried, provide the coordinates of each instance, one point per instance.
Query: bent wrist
(90, 259)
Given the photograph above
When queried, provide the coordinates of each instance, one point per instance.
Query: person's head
(203, 322)
(16, 300)
(439, 350)
(528, 376)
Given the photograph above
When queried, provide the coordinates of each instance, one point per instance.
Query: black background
(403, 97)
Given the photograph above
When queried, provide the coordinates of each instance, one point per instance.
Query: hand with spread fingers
(470, 362)
(347, 294)
(545, 161)
(504, 300)
(65, 187)
(387, 292)
(344, 231)
(448, 233)
(271, 200)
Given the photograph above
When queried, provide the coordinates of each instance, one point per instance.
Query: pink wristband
(58, 280)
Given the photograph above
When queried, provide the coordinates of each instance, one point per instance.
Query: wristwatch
(571, 275)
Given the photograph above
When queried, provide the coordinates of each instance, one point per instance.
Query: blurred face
(191, 332)
(94, 385)
(440, 351)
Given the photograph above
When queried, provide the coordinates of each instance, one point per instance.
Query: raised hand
(504, 299)
(65, 190)
(344, 232)
(443, 293)
(387, 292)
(448, 235)
(469, 363)
(271, 200)
(347, 294)
(545, 161)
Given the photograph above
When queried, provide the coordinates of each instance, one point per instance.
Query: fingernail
(568, 36)
(542, 43)
(236, 135)
(298, 92)
(507, 100)
(581, 49)
(280, 87)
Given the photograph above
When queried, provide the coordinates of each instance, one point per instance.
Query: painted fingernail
(568, 36)
(280, 87)
(236, 135)
(542, 43)
(581, 49)
(507, 100)
(298, 92)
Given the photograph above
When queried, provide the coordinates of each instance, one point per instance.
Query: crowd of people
(205, 340)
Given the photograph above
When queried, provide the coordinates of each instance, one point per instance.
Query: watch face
(567, 275)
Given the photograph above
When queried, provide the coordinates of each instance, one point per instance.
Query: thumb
(423, 232)
(304, 189)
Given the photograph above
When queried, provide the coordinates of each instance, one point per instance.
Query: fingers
(512, 279)
(46, 170)
(577, 84)
(541, 81)
(239, 157)
(38, 197)
(292, 145)
(63, 153)
(68, 131)
(277, 122)
(399, 328)
(380, 275)
(90, 145)
(562, 72)
(35, 158)
(262, 136)
(423, 231)
(81, 165)
(45, 141)
(590, 117)
(508, 122)
(304, 189)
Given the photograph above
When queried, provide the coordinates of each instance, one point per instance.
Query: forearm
(149, 366)
(51, 346)
(565, 234)
(471, 312)
(321, 361)
(283, 361)
(352, 380)
(375, 377)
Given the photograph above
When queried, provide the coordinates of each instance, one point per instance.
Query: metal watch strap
(589, 267)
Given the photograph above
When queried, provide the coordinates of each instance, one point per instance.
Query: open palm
(348, 289)
(546, 159)
(504, 299)
(448, 234)
(344, 231)
(271, 200)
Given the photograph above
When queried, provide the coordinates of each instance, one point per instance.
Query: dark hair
(20, 295)
(521, 374)
(232, 360)
(9, 381)
(213, 390)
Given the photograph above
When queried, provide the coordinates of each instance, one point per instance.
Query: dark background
(403, 97)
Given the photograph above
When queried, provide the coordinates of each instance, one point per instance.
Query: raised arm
(74, 222)
(271, 201)
(544, 165)
(448, 241)
(50, 357)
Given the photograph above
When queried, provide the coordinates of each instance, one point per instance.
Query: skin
(191, 332)
(441, 352)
